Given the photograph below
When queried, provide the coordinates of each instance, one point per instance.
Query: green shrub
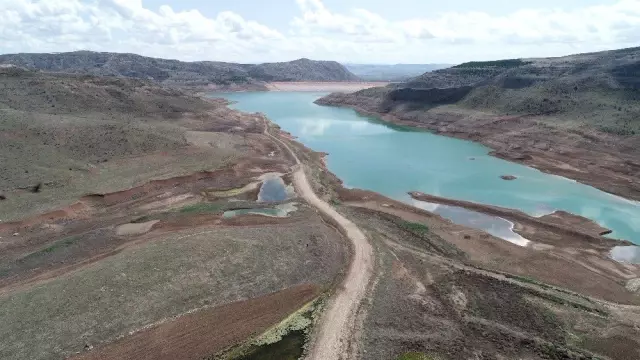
(414, 227)
(416, 356)
(202, 208)
(505, 64)
(61, 244)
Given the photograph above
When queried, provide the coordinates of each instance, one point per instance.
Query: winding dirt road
(338, 322)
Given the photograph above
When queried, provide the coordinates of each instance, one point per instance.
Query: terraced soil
(205, 332)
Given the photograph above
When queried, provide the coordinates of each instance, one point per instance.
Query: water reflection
(315, 127)
(273, 189)
(495, 226)
(626, 254)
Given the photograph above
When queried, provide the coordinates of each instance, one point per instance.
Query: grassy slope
(78, 135)
(169, 276)
(82, 134)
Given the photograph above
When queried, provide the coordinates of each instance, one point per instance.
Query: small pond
(273, 189)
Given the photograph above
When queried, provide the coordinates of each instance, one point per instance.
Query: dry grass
(76, 135)
(429, 304)
(204, 333)
(171, 275)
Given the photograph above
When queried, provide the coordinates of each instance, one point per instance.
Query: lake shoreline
(578, 232)
(551, 256)
(290, 110)
(612, 182)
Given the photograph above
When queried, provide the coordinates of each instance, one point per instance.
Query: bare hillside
(174, 72)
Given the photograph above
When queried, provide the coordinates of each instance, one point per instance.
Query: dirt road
(337, 325)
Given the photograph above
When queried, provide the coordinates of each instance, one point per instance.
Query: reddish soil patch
(228, 178)
(158, 185)
(74, 211)
(209, 331)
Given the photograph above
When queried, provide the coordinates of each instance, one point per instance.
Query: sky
(349, 31)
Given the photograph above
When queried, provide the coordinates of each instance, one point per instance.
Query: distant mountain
(600, 89)
(174, 72)
(302, 70)
(395, 72)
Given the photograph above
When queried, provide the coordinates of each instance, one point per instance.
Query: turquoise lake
(392, 160)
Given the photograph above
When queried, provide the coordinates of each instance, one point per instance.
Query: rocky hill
(174, 72)
(598, 89)
(559, 114)
(301, 70)
(394, 72)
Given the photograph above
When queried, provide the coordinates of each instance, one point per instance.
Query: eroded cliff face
(575, 116)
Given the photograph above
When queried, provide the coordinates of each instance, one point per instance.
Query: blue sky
(372, 31)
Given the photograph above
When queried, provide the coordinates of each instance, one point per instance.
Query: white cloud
(360, 25)
(610, 23)
(357, 35)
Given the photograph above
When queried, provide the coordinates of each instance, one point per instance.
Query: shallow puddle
(273, 189)
(626, 254)
(493, 225)
(289, 348)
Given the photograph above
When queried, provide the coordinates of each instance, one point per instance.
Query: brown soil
(206, 332)
(578, 262)
(232, 177)
(564, 218)
(33, 268)
(244, 261)
(74, 211)
(432, 299)
(149, 242)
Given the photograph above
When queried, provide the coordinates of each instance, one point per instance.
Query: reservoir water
(392, 160)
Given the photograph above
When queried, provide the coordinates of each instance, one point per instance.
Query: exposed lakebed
(392, 160)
